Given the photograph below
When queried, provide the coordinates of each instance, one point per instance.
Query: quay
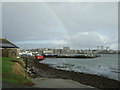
(71, 56)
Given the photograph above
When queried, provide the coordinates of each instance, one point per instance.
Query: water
(106, 65)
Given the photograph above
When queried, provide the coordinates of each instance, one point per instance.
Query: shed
(8, 48)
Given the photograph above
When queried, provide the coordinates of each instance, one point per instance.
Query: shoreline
(45, 71)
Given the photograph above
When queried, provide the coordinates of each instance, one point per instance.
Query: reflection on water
(106, 65)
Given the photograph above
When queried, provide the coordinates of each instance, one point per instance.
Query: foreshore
(45, 71)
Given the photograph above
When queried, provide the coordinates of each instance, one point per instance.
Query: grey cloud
(55, 22)
(87, 16)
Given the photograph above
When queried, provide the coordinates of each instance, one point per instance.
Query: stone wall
(5, 52)
(13, 52)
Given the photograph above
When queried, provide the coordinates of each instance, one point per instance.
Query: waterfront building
(98, 48)
(27, 52)
(102, 48)
(9, 49)
(107, 48)
(66, 50)
(47, 51)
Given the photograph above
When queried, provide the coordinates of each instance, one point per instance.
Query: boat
(50, 55)
(79, 56)
(39, 57)
(76, 56)
(71, 56)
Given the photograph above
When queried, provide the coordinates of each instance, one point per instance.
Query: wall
(13, 52)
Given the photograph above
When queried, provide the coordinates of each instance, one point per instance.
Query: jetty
(72, 56)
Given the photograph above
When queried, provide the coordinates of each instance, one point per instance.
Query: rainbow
(58, 20)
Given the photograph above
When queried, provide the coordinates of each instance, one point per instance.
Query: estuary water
(106, 65)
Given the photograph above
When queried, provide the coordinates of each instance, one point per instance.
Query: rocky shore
(37, 69)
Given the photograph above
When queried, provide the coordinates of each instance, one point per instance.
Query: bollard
(26, 65)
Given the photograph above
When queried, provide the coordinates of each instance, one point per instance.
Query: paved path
(57, 83)
(10, 85)
(49, 83)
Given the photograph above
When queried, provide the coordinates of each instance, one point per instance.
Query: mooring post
(26, 65)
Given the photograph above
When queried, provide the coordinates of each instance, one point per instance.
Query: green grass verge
(9, 76)
(0, 69)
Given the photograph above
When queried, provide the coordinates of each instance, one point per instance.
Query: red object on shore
(39, 57)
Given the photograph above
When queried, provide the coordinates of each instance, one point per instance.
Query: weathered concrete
(57, 83)
(11, 85)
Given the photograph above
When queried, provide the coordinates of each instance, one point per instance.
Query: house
(8, 49)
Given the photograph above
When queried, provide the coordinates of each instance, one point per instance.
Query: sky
(79, 25)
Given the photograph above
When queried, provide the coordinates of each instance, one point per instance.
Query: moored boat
(72, 56)
(80, 56)
(50, 55)
(39, 57)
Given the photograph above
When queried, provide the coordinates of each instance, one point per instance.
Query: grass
(0, 69)
(9, 76)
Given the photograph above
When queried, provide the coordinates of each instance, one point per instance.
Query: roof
(4, 43)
